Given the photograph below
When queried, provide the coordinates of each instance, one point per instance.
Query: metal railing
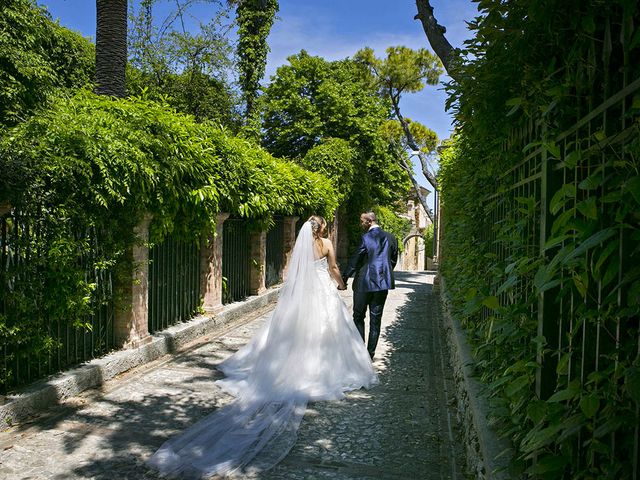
(565, 179)
(174, 282)
(43, 345)
(236, 255)
(275, 253)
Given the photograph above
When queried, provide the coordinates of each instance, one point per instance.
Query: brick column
(211, 268)
(288, 243)
(131, 326)
(258, 267)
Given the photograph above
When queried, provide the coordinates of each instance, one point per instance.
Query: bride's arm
(333, 266)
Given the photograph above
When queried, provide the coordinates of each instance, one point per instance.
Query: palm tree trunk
(111, 47)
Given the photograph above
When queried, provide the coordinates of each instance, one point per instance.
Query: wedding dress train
(309, 350)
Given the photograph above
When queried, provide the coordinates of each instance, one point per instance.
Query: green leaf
(572, 159)
(604, 255)
(595, 239)
(563, 365)
(550, 466)
(558, 200)
(600, 135)
(471, 293)
(562, 395)
(592, 182)
(610, 425)
(552, 242)
(537, 410)
(510, 282)
(633, 186)
(491, 302)
(590, 405)
(516, 385)
(571, 426)
(581, 282)
(515, 104)
(588, 208)
(536, 439)
(553, 149)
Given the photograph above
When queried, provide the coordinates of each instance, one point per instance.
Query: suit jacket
(373, 262)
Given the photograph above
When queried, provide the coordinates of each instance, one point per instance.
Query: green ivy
(535, 68)
(87, 169)
(255, 19)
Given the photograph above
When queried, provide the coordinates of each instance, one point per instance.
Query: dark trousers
(375, 302)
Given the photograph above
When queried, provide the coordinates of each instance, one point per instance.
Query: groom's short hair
(371, 216)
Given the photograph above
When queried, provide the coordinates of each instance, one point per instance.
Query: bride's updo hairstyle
(318, 224)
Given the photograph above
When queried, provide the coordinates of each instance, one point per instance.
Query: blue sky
(335, 29)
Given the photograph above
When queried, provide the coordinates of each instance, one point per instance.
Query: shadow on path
(405, 427)
(401, 429)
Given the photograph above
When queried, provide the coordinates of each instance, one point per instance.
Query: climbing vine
(540, 189)
(87, 169)
(255, 19)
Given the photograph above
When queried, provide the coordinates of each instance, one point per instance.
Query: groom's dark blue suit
(373, 263)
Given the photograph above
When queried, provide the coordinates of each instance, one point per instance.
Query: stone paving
(403, 428)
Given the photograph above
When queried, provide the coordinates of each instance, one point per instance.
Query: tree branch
(411, 142)
(435, 34)
(416, 187)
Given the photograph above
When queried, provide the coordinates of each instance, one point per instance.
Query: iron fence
(236, 259)
(275, 253)
(565, 180)
(174, 282)
(35, 340)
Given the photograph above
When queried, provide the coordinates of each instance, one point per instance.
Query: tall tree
(111, 47)
(423, 137)
(404, 71)
(188, 68)
(37, 57)
(435, 34)
(255, 19)
(309, 104)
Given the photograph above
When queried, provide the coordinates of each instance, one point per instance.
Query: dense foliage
(328, 116)
(403, 71)
(541, 281)
(389, 220)
(86, 170)
(37, 56)
(255, 19)
(187, 69)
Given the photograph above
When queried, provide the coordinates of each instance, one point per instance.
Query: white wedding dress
(308, 350)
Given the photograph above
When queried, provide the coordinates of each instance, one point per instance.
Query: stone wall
(488, 455)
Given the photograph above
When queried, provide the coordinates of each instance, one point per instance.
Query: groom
(373, 264)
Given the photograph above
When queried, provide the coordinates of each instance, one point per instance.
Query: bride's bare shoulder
(327, 246)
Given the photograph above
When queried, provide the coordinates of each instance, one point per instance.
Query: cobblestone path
(403, 428)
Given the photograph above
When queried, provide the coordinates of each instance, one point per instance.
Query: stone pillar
(421, 257)
(211, 268)
(258, 267)
(289, 242)
(131, 326)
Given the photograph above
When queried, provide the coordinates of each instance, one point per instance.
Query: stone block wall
(488, 455)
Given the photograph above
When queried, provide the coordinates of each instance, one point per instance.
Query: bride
(309, 350)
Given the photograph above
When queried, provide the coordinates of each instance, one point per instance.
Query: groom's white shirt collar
(372, 227)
